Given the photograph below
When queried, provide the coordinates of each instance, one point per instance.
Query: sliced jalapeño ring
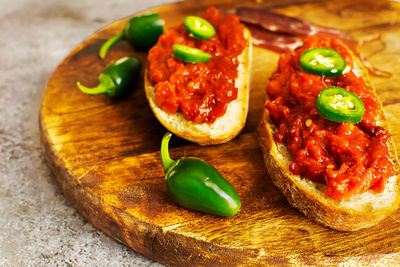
(339, 105)
(199, 27)
(323, 62)
(189, 54)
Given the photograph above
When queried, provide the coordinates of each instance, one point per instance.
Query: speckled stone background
(38, 227)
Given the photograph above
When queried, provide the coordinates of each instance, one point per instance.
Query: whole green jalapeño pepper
(117, 79)
(339, 105)
(195, 184)
(141, 32)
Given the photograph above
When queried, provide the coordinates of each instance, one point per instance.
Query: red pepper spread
(201, 91)
(348, 158)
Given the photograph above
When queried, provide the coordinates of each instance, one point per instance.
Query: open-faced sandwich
(325, 140)
(197, 78)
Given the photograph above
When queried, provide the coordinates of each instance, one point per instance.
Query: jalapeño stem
(106, 84)
(165, 158)
(104, 48)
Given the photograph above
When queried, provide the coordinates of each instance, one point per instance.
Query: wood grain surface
(105, 155)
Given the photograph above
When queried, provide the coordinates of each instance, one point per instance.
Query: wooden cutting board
(105, 155)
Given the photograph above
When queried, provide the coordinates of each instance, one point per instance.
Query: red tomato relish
(201, 91)
(349, 159)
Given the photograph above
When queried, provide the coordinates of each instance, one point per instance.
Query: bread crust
(358, 212)
(226, 127)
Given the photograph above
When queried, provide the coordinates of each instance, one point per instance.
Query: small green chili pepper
(196, 184)
(323, 62)
(339, 105)
(189, 54)
(142, 32)
(199, 27)
(117, 79)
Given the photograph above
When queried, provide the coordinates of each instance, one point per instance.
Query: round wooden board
(105, 156)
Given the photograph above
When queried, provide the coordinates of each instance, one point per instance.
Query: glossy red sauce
(200, 91)
(348, 158)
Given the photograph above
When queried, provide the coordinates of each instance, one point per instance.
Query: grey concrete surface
(38, 227)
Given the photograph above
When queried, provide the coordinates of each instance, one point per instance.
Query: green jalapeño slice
(339, 105)
(190, 54)
(323, 62)
(199, 27)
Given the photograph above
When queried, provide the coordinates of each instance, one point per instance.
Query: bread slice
(225, 127)
(351, 214)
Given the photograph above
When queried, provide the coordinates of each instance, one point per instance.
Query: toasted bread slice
(225, 127)
(350, 214)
